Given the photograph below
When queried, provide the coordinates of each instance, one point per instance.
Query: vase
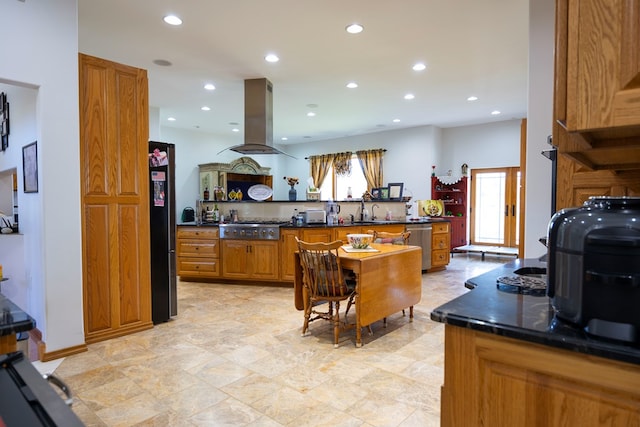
(293, 194)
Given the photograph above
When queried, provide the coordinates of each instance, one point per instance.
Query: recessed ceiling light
(472, 98)
(495, 112)
(171, 119)
(284, 138)
(209, 86)
(172, 20)
(409, 96)
(311, 114)
(162, 62)
(419, 66)
(312, 105)
(354, 28)
(396, 120)
(352, 85)
(235, 130)
(205, 108)
(272, 57)
(234, 123)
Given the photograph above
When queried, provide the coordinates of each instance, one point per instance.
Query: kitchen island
(509, 361)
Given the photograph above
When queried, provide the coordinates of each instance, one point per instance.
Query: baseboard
(39, 348)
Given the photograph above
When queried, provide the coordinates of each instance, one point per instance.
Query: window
(356, 181)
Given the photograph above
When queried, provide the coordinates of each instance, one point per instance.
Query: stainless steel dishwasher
(421, 236)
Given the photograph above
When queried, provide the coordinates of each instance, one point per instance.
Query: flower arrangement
(291, 180)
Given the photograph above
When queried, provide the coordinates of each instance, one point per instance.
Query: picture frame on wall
(30, 167)
(4, 121)
(395, 190)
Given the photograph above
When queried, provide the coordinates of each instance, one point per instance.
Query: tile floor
(234, 357)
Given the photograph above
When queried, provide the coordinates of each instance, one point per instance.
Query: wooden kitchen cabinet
(491, 380)
(315, 235)
(250, 259)
(340, 233)
(198, 252)
(597, 99)
(454, 198)
(114, 193)
(440, 245)
(288, 246)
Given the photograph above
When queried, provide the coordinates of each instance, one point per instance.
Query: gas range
(264, 230)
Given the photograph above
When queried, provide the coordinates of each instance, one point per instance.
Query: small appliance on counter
(333, 209)
(593, 267)
(315, 216)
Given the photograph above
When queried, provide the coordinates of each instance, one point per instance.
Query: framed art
(375, 193)
(4, 121)
(384, 193)
(395, 190)
(30, 167)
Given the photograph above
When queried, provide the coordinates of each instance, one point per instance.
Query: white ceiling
(470, 47)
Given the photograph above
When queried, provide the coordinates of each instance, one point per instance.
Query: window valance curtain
(342, 163)
(320, 166)
(371, 164)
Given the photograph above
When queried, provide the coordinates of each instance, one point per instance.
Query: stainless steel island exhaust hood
(258, 119)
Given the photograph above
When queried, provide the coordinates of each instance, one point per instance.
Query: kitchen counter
(346, 224)
(12, 321)
(525, 317)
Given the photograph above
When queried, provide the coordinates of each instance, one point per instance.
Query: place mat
(348, 248)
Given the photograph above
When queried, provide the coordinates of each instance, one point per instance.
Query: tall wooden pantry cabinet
(114, 133)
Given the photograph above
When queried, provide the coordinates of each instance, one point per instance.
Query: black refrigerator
(162, 214)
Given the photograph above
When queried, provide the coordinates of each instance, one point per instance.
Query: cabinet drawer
(439, 257)
(196, 248)
(204, 267)
(440, 242)
(439, 227)
(197, 233)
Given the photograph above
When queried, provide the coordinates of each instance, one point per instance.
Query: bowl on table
(359, 241)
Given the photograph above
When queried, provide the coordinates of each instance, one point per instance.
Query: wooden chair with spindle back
(324, 282)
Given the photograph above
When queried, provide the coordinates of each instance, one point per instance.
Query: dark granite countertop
(13, 319)
(346, 224)
(525, 317)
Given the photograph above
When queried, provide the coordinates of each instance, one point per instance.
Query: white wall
(410, 154)
(539, 124)
(42, 54)
(491, 145)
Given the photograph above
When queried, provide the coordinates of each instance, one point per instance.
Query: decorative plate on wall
(260, 192)
(430, 207)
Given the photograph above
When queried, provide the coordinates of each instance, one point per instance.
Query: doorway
(495, 207)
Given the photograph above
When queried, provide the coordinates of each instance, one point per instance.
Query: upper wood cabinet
(597, 83)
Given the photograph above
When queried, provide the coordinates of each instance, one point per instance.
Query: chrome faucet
(373, 215)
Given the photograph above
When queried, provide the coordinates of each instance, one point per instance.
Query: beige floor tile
(234, 357)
